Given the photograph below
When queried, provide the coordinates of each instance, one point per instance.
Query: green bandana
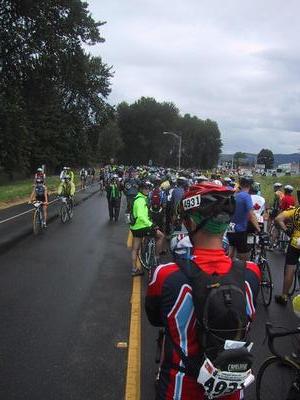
(214, 225)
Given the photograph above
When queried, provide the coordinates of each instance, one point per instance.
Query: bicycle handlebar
(272, 334)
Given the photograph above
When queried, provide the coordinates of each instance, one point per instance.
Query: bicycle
(259, 256)
(147, 254)
(279, 376)
(38, 217)
(66, 209)
(296, 279)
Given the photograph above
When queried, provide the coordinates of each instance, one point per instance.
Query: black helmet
(246, 181)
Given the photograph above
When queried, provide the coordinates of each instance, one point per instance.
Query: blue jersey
(242, 208)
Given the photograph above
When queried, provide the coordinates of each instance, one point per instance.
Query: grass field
(266, 184)
(21, 190)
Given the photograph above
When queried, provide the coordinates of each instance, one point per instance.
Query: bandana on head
(214, 225)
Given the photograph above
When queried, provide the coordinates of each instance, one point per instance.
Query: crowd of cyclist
(207, 220)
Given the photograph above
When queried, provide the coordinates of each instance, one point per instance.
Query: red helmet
(208, 199)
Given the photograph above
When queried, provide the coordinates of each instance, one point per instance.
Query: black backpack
(220, 309)
(132, 218)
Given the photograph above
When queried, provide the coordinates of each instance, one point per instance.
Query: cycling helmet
(143, 184)
(288, 188)
(227, 180)
(277, 185)
(209, 206)
(217, 182)
(255, 187)
(246, 181)
(40, 169)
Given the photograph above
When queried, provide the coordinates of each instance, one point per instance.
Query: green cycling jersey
(141, 212)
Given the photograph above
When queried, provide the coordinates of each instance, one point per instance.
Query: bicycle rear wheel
(266, 284)
(63, 213)
(147, 253)
(275, 379)
(37, 225)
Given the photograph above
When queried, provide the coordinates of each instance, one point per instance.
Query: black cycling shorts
(239, 241)
(292, 255)
(140, 233)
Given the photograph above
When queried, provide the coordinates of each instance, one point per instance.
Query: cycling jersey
(287, 202)
(169, 303)
(66, 189)
(294, 216)
(40, 192)
(141, 212)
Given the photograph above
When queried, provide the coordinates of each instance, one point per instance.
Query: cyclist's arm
(32, 196)
(46, 194)
(253, 220)
(72, 189)
(282, 218)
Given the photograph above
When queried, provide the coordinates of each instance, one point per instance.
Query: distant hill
(278, 158)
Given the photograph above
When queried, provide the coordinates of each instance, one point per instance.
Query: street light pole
(179, 137)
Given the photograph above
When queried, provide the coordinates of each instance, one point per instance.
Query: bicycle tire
(266, 284)
(275, 378)
(147, 254)
(294, 284)
(70, 211)
(36, 222)
(63, 213)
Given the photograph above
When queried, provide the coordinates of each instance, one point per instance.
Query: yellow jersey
(294, 215)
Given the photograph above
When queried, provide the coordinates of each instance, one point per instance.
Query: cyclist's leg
(291, 260)
(117, 208)
(110, 209)
(160, 237)
(136, 244)
(242, 246)
(45, 211)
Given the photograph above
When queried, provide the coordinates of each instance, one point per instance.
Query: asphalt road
(65, 304)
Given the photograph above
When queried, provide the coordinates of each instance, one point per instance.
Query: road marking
(133, 379)
(122, 345)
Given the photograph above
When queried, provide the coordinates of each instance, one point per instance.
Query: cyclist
(177, 195)
(258, 202)
(288, 199)
(278, 195)
(157, 204)
(243, 213)
(142, 225)
(293, 250)
(130, 189)
(40, 174)
(93, 171)
(83, 177)
(40, 193)
(67, 189)
(169, 296)
(114, 194)
(66, 171)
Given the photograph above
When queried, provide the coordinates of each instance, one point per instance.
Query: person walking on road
(114, 194)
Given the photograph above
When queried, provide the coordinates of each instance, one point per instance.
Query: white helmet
(288, 188)
(277, 185)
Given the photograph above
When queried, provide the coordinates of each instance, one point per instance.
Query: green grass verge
(266, 184)
(22, 189)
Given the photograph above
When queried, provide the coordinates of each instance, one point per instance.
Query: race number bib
(231, 227)
(191, 202)
(218, 383)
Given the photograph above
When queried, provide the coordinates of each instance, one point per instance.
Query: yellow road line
(133, 379)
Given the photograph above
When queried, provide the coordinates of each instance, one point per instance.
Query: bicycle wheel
(266, 284)
(144, 253)
(70, 210)
(63, 213)
(294, 284)
(275, 379)
(36, 223)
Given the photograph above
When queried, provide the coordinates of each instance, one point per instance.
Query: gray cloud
(231, 61)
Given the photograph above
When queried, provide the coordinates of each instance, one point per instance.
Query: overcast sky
(234, 61)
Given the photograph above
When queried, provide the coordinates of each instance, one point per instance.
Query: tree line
(53, 99)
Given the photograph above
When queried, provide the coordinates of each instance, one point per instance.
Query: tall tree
(54, 88)
(239, 158)
(266, 157)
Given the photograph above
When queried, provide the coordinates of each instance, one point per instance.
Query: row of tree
(53, 98)
(265, 157)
